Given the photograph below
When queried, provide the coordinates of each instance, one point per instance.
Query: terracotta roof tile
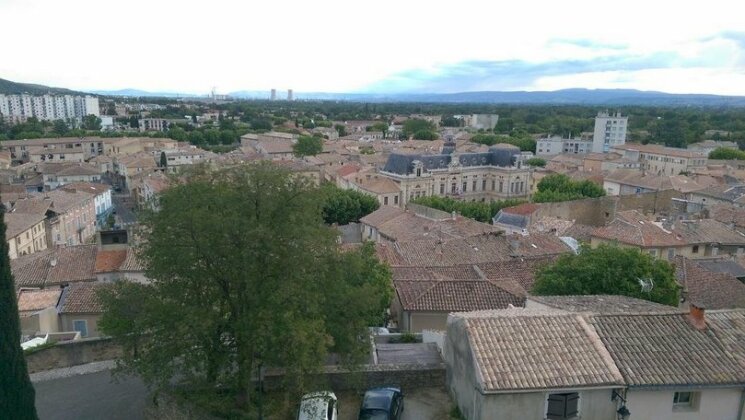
(81, 298)
(108, 261)
(631, 227)
(36, 300)
(521, 349)
(603, 304)
(708, 289)
(449, 295)
(55, 266)
(666, 349)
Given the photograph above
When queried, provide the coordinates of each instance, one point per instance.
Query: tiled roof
(447, 295)
(55, 266)
(455, 272)
(519, 270)
(87, 187)
(631, 227)
(81, 298)
(602, 304)
(378, 185)
(709, 289)
(521, 209)
(17, 223)
(382, 215)
(660, 150)
(400, 225)
(666, 350)
(485, 248)
(728, 214)
(522, 350)
(108, 261)
(132, 262)
(36, 300)
(35, 205)
(708, 231)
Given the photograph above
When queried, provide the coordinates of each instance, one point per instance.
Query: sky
(375, 46)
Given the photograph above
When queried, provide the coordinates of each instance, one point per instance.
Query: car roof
(313, 406)
(379, 398)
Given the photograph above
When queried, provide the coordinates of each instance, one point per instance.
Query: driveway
(419, 404)
(90, 396)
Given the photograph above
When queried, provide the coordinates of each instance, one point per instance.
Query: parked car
(318, 406)
(385, 403)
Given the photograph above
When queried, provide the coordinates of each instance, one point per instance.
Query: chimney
(453, 215)
(696, 316)
(53, 262)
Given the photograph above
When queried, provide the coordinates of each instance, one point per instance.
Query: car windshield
(373, 415)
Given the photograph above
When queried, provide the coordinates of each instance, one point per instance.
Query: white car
(318, 406)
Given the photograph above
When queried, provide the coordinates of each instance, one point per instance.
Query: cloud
(477, 75)
(588, 43)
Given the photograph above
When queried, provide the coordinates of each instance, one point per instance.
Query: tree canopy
(559, 187)
(536, 161)
(726, 153)
(483, 212)
(611, 270)
(308, 146)
(17, 400)
(91, 122)
(522, 140)
(345, 206)
(246, 275)
(419, 128)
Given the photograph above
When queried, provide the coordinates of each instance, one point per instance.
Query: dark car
(386, 403)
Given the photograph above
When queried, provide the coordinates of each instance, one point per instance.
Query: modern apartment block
(47, 107)
(610, 131)
(552, 146)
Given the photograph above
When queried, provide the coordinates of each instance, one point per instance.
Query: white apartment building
(555, 145)
(47, 107)
(610, 131)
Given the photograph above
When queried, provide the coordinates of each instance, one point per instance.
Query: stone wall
(71, 353)
(599, 211)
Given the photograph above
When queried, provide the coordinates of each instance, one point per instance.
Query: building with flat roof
(21, 107)
(610, 131)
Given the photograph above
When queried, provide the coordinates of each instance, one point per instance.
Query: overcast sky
(375, 46)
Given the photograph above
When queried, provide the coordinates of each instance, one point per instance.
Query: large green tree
(91, 122)
(346, 206)
(16, 392)
(727, 154)
(612, 270)
(308, 146)
(559, 187)
(246, 275)
(414, 126)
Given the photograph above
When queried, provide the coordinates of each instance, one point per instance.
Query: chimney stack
(696, 316)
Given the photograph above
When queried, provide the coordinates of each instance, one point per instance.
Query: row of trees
(559, 187)
(33, 128)
(481, 211)
(524, 141)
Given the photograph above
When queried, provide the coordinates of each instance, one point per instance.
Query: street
(91, 396)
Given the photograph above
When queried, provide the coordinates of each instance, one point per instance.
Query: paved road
(91, 396)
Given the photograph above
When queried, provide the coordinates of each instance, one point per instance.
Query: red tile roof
(81, 298)
(108, 261)
(36, 300)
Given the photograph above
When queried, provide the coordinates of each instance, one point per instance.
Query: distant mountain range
(8, 87)
(590, 97)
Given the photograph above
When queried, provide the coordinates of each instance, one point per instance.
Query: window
(685, 401)
(562, 406)
(483, 185)
(395, 199)
(695, 249)
(670, 253)
(80, 325)
(442, 188)
(653, 252)
(465, 186)
(473, 186)
(385, 201)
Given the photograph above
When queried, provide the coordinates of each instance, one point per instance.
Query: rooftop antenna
(646, 284)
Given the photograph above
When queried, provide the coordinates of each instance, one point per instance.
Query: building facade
(495, 175)
(21, 107)
(552, 146)
(610, 131)
(661, 160)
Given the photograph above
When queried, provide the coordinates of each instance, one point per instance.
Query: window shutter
(572, 405)
(556, 404)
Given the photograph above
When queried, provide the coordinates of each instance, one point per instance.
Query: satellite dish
(646, 284)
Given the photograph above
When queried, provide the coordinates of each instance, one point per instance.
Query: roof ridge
(600, 347)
